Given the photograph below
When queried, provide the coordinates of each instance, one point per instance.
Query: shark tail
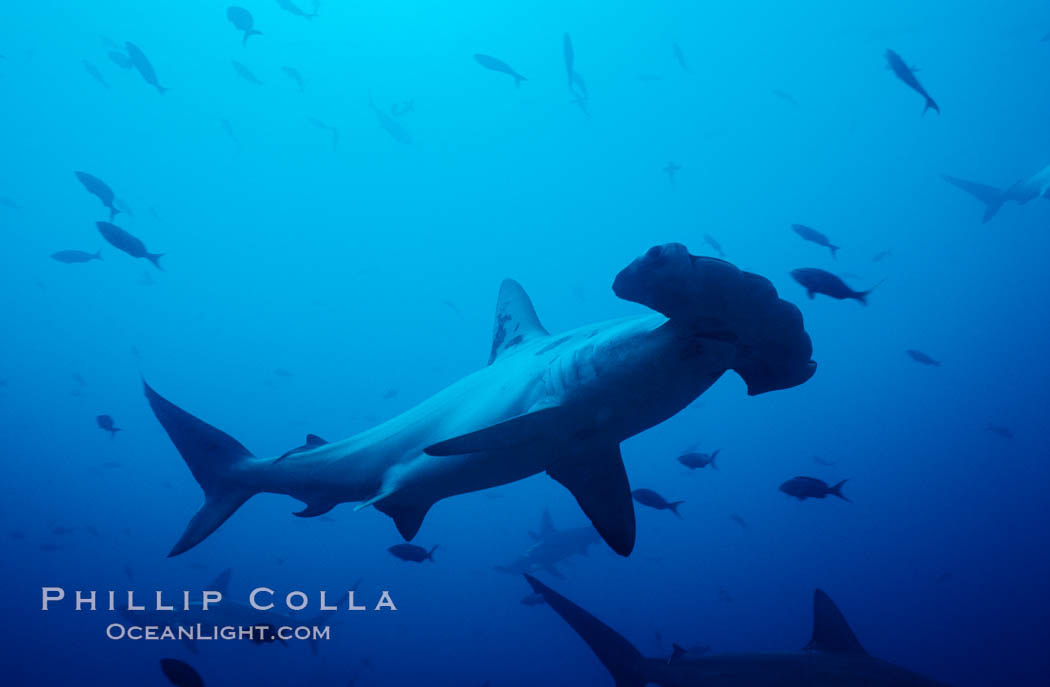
(155, 259)
(618, 655)
(837, 490)
(212, 456)
(931, 105)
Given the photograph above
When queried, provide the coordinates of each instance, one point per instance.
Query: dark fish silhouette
(679, 57)
(295, 76)
(180, 674)
(820, 281)
(814, 236)
(242, 20)
(292, 8)
(670, 170)
(142, 64)
(694, 460)
(992, 197)
(882, 255)
(124, 241)
(95, 73)
(106, 422)
(496, 65)
(1004, 432)
(739, 520)
(570, 56)
(412, 553)
(785, 96)
(120, 59)
(74, 256)
(922, 358)
(907, 74)
(648, 497)
(391, 126)
(713, 242)
(100, 190)
(803, 488)
(245, 73)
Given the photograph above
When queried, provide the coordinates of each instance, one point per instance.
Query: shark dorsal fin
(516, 320)
(314, 440)
(831, 632)
(546, 524)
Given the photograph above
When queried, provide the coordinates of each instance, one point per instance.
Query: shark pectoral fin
(517, 431)
(831, 633)
(599, 483)
(408, 518)
(516, 320)
(315, 509)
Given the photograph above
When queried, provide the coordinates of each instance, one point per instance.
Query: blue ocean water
(317, 288)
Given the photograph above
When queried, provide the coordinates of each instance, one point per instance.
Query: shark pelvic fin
(831, 632)
(313, 510)
(408, 518)
(517, 431)
(516, 320)
(598, 480)
(620, 658)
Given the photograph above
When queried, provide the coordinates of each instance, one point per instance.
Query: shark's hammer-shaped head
(711, 298)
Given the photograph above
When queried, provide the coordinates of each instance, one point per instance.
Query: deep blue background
(374, 268)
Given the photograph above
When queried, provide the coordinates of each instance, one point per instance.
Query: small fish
(332, 131)
(295, 76)
(291, 8)
(245, 73)
(803, 488)
(569, 55)
(142, 64)
(670, 170)
(120, 59)
(648, 497)
(105, 422)
(79, 379)
(100, 190)
(694, 460)
(922, 358)
(180, 674)
(1004, 432)
(679, 57)
(124, 241)
(713, 242)
(95, 73)
(824, 461)
(412, 553)
(907, 74)
(785, 96)
(820, 281)
(739, 520)
(814, 236)
(496, 65)
(71, 257)
(882, 255)
(391, 126)
(242, 20)
(533, 600)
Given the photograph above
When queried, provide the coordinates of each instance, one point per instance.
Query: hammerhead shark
(550, 547)
(833, 657)
(1021, 192)
(559, 404)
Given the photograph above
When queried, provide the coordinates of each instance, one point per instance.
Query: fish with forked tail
(803, 488)
(124, 241)
(412, 553)
(907, 74)
(140, 62)
(242, 20)
(648, 497)
(100, 190)
(497, 65)
(814, 236)
(105, 422)
(816, 281)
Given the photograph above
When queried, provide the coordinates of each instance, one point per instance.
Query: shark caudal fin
(992, 197)
(619, 656)
(211, 456)
(712, 299)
